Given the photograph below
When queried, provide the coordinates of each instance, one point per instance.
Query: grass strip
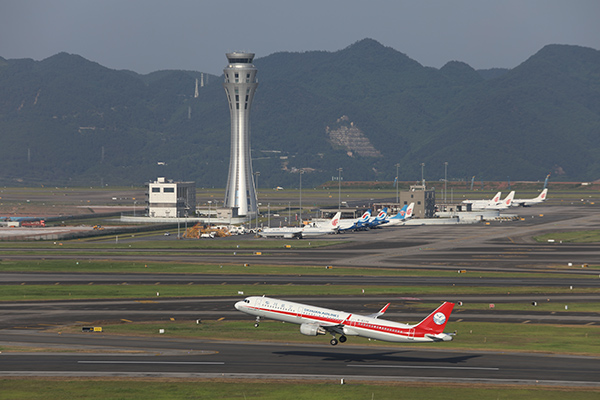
(124, 291)
(591, 236)
(134, 389)
(87, 266)
(122, 243)
(480, 336)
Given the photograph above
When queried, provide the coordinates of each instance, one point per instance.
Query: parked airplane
(531, 202)
(378, 220)
(404, 214)
(504, 204)
(315, 321)
(304, 231)
(483, 204)
(349, 224)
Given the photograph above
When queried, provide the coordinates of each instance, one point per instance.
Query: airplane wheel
(343, 339)
(333, 341)
(256, 325)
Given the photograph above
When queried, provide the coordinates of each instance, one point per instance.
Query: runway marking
(155, 362)
(126, 320)
(422, 367)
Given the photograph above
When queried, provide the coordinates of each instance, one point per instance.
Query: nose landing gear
(257, 322)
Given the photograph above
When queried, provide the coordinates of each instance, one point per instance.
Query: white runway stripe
(421, 367)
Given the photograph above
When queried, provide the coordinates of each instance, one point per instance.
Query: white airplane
(377, 220)
(315, 321)
(531, 202)
(311, 230)
(352, 224)
(404, 214)
(483, 204)
(504, 204)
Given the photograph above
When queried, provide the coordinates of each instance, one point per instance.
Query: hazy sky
(148, 35)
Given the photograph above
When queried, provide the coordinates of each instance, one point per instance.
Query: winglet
(380, 312)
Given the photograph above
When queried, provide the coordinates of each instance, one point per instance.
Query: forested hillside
(69, 121)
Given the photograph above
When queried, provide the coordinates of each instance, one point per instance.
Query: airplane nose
(238, 305)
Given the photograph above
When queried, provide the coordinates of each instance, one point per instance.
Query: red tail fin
(436, 321)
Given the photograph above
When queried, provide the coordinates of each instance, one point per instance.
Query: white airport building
(169, 199)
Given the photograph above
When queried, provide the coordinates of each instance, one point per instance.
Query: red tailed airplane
(315, 321)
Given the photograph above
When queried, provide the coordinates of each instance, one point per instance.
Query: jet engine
(311, 330)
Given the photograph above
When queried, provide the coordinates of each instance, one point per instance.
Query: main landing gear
(334, 341)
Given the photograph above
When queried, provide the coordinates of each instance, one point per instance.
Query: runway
(497, 247)
(157, 357)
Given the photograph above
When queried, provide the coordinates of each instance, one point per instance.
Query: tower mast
(240, 85)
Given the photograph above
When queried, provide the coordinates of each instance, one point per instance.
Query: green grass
(592, 236)
(124, 291)
(322, 390)
(74, 266)
(481, 336)
(110, 242)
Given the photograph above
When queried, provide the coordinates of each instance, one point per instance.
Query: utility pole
(301, 173)
(340, 189)
(397, 184)
(256, 175)
(445, 180)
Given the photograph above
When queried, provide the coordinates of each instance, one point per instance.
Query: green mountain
(366, 108)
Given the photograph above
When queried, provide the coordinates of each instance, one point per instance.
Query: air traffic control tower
(240, 85)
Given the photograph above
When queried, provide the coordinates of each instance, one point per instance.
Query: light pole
(445, 180)
(256, 175)
(422, 174)
(340, 189)
(301, 173)
(397, 198)
(209, 203)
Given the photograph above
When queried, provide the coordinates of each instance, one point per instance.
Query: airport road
(100, 355)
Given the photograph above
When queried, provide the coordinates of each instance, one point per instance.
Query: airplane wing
(338, 328)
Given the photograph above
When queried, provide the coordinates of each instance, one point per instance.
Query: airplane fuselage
(316, 320)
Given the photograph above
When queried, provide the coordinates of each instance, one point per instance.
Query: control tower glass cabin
(240, 85)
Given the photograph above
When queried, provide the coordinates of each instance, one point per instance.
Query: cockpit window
(246, 301)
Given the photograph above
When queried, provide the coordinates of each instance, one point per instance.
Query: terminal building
(424, 205)
(424, 202)
(169, 199)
